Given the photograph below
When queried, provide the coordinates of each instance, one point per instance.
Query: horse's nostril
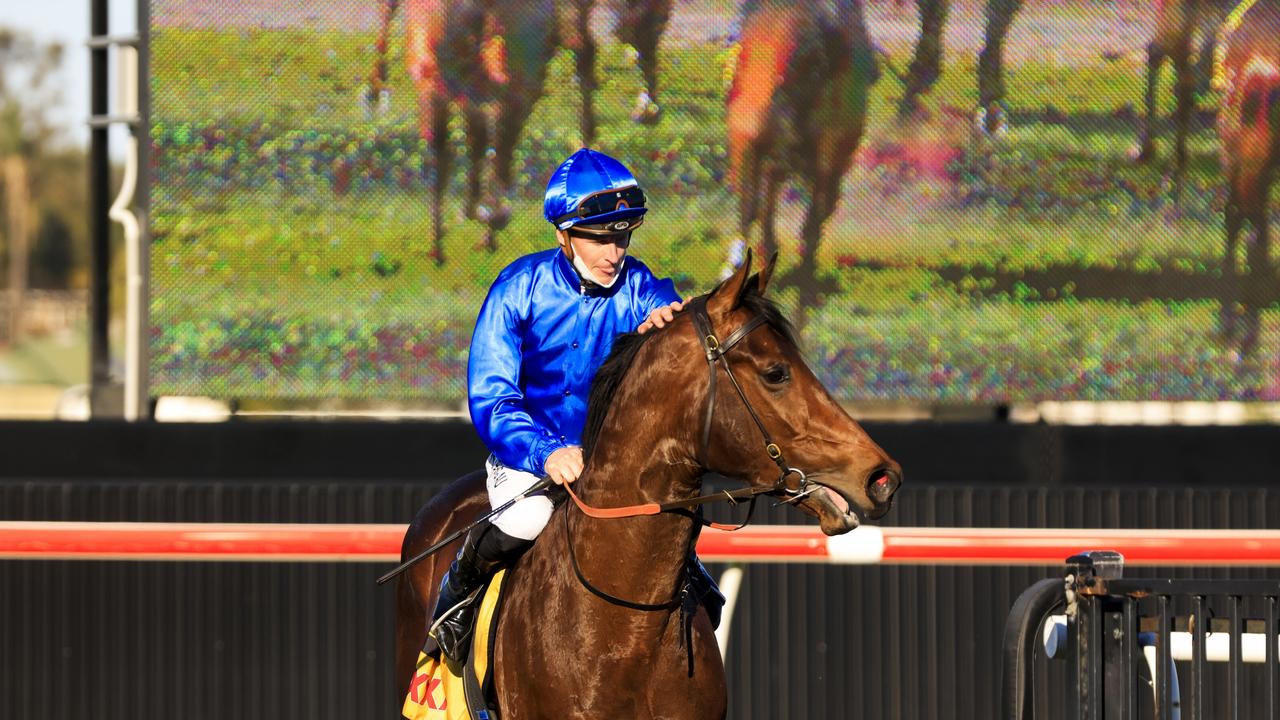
(882, 485)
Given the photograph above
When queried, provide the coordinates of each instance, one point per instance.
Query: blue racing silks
(538, 342)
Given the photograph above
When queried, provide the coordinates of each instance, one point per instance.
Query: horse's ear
(766, 273)
(726, 297)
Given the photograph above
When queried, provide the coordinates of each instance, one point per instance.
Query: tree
(43, 175)
(30, 87)
(52, 255)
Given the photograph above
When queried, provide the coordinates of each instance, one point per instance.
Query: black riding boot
(484, 550)
(705, 590)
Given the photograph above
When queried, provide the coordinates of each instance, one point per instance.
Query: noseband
(716, 350)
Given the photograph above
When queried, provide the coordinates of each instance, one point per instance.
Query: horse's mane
(625, 348)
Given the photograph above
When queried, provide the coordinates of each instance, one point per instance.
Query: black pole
(142, 198)
(99, 223)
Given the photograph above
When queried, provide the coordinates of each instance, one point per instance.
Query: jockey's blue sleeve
(495, 395)
(655, 293)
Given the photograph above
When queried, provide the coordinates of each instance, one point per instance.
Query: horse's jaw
(838, 510)
(834, 511)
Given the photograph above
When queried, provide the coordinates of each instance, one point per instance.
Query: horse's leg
(744, 175)
(641, 24)
(477, 146)
(1260, 281)
(806, 272)
(1203, 67)
(376, 95)
(438, 163)
(1185, 93)
(1155, 59)
(1230, 280)
(585, 64)
(772, 186)
(991, 90)
(513, 115)
(926, 67)
(830, 172)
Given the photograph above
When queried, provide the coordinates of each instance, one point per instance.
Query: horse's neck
(639, 558)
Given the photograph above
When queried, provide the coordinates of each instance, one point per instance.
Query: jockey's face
(601, 254)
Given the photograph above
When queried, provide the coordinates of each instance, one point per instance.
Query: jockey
(548, 323)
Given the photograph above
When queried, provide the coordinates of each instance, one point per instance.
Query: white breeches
(527, 517)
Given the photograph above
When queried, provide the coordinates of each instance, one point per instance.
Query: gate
(1144, 648)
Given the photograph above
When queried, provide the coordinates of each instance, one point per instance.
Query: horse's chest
(591, 670)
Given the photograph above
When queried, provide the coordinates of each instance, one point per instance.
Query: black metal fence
(1144, 648)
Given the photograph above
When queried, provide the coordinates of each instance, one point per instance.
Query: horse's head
(835, 467)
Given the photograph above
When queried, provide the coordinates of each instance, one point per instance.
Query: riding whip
(542, 484)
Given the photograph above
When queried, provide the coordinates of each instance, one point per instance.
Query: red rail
(760, 543)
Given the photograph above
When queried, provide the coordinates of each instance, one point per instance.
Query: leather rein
(715, 351)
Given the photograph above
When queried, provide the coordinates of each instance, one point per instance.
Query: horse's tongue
(836, 499)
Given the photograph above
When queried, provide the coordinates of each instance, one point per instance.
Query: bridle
(715, 350)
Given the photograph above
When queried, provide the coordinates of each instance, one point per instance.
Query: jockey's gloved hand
(564, 465)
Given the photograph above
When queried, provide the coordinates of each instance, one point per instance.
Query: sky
(68, 21)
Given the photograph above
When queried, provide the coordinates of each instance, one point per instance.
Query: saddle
(435, 693)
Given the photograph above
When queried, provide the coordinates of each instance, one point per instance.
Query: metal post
(100, 386)
(1199, 627)
(1233, 666)
(1271, 667)
(1129, 649)
(142, 209)
(730, 585)
(1090, 571)
(1164, 698)
(105, 398)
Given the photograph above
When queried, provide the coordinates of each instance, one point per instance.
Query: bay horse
(797, 108)
(489, 57)
(658, 420)
(1249, 127)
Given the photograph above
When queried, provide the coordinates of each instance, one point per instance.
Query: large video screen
(974, 201)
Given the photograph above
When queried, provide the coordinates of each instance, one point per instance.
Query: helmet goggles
(604, 207)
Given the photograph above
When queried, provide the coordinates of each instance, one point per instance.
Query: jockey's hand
(660, 317)
(564, 465)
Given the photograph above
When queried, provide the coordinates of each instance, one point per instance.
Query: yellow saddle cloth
(437, 694)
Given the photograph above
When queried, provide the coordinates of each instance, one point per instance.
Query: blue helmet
(595, 193)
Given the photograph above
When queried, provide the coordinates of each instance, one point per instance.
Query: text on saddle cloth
(437, 694)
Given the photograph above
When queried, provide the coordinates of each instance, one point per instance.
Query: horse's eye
(777, 374)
